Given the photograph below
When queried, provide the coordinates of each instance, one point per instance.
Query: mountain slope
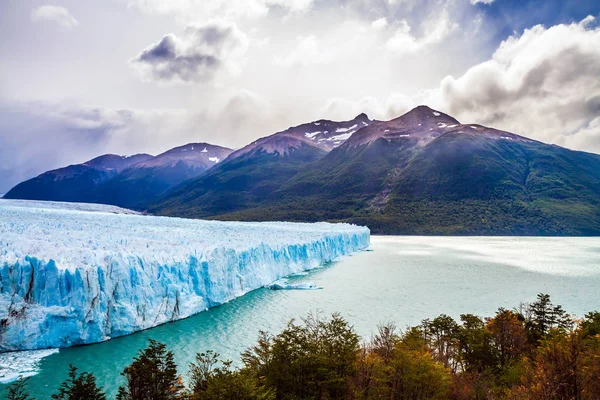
(145, 181)
(249, 176)
(425, 173)
(130, 182)
(75, 183)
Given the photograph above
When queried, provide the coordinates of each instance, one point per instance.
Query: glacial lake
(400, 279)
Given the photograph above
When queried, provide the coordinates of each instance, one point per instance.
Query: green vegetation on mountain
(424, 179)
(534, 352)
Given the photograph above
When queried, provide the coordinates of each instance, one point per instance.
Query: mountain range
(421, 173)
(124, 181)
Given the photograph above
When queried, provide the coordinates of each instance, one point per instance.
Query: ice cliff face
(72, 274)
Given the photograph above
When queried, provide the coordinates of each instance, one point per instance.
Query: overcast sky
(82, 78)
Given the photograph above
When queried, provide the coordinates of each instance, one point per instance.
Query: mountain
(145, 181)
(75, 183)
(421, 173)
(124, 181)
(249, 176)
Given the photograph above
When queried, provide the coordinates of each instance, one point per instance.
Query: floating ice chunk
(284, 285)
(21, 364)
(298, 274)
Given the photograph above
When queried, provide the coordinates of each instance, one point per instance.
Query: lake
(400, 279)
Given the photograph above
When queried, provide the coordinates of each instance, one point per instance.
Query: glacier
(73, 274)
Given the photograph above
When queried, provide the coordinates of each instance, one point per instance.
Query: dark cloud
(198, 55)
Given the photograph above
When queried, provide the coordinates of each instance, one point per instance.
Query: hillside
(145, 181)
(75, 183)
(249, 177)
(421, 173)
(124, 181)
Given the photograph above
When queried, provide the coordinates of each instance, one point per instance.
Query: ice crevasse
(74, 274)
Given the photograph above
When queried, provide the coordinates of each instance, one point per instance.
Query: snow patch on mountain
(311, 135)
(352, 128)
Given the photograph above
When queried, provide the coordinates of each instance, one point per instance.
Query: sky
(83, 78)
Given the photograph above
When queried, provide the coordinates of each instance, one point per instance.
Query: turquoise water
(402, 279)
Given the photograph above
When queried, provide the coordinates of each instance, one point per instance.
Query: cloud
(393, 106)
(436, 29)
(482, 1)
(57, 14)
(39, 136)
(195, 9)
(380, 23)
(542, 84)
(198, 55)
(307, 52)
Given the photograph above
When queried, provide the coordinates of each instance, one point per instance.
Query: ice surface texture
(72, 274)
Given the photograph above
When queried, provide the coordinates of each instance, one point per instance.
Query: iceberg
(284, 285)
(73, 274)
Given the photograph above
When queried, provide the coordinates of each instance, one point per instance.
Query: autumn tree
(508, 336)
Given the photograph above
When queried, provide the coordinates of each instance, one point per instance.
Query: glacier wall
(72, 275)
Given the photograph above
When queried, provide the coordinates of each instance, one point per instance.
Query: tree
(385, 340)
(413, 374)
(475, 349)
(152, 376)
(591, 324)
(544, 316)
(314, 360)
(18, 391)
(79, 387)
(209, 381)
(508, 336)
(441, 335)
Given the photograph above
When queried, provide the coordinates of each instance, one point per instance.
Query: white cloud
(194, 9)
(380, 23)
(57, 14)
(307, 52)
(542, 84)
(54, 135)
(482, 1)
(436, 29)
(198, 55)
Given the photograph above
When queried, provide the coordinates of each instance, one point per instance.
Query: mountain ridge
(423, 172)
(426, 173)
